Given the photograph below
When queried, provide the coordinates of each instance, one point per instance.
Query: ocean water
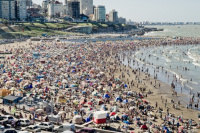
(182, 61)
(176, 30)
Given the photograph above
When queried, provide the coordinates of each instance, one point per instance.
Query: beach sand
(164, 90)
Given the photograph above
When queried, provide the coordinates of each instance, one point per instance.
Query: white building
(8, 9)
(21, 9)
(55, 8)
(113, 16)
(65, 8)
(86, 7)
(45, 5)
(100, 13)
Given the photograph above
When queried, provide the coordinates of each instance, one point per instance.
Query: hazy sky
(153, 10)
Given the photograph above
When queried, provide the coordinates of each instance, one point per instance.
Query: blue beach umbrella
(106, 96)
(118, 99)
(125, 85)
(126, 122)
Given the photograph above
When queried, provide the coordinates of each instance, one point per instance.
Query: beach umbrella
(131, 108)
(31, 108)
(39, 110)
(73, 85)
(152, 113)
(125, 85)
(75, 102)
(125, 101)
(90, 103)
(87, 119)
(144, 101)
(94, 93)
(124, 116)
(84, 92)
(82, 102)
(126, 122)
(61, 113)
(118, 99)
(112, 113)
(103, 107)
(13, 89)
(106, 96)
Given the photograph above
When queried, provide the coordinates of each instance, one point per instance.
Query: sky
(152, 10)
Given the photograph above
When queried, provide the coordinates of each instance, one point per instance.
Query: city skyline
(153, 10)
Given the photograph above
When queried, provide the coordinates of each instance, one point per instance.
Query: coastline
(164, 90)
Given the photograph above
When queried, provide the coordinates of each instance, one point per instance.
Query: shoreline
(163, 93)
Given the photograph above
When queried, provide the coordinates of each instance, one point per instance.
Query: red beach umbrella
(112, 113)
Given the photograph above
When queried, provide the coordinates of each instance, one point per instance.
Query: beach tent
(77, 119)
(11, 99)
(99, 117)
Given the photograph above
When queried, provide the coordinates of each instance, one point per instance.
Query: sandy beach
(157, 94)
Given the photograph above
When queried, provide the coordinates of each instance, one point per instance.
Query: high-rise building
(8, 9)
(0, 10)
(55, 8)
(65, 2)
(65, 8)
(122, 20)
(113, 16)
(100, 13)
(29, 3)
(21, 9)
(86, 7)
(45, 6)
(74, 8)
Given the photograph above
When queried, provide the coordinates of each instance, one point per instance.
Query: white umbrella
(39, 110)
(61, 113)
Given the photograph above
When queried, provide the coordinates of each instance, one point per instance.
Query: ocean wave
(196, 64)
(190, 87)
(177, 76)
(177, 58)
(138, 52)
(194, 82)
(154, 55)
(167, 59)
(185, 60)
(191, 56)
(172, 51)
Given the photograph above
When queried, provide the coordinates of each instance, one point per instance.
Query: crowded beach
(85, 84)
